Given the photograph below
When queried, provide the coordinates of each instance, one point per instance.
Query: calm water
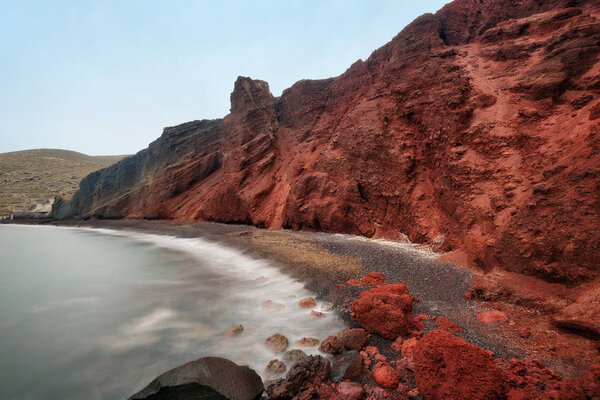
(97, 314)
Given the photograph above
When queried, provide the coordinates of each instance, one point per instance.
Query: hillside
(33, 176)
(476, 129)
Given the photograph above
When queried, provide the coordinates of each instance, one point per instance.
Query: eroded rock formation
(476, 129)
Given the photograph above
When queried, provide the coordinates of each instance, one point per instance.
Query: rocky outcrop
(385, 310)
(210, 378)
(476, 129)
(448, 367)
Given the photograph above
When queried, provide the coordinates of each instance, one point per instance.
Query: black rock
(209, 378)
(346, 366)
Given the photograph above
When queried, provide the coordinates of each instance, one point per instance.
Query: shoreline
(324, 262)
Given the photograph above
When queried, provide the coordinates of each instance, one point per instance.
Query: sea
(98, 314)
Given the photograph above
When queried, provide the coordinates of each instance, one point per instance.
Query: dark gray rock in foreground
(209, 378)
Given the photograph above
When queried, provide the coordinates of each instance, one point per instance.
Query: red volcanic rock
(493, 317)
(386, 376)
(354, 282)
(424, 138)
(316, 315)
(397, 344)
(385, 310)
(444, 323)
(353, 339)
(407, 347)
(332, 345)
(372, 351)
(374, 279)
(308, 302)
(529, 379)
(350, 390)
(448, 367)
(524, 333)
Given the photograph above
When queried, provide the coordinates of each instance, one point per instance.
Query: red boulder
(385, 310)
(374, 279)
(448, 367)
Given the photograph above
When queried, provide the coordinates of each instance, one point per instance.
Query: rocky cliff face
(475, 129)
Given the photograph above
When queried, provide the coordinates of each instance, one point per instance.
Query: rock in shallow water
(209, 378)
(277, 343)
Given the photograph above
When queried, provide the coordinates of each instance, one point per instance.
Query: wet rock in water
(445, 324)
(308, 342)
(353, 338)
(316, 315)
(262, 279)
(291, 357)
(271, 305)
(235, 330)
(386, 376)
(276, 343)
(308, 302)
(210, 378)
(332, 345)
(346, 366)
(306, 376)
(350, 390)
(275, 367)
(374, 279)
(449, 367)
(385, 310)
(493, 317)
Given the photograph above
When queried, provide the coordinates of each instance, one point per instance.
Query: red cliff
(476, 129)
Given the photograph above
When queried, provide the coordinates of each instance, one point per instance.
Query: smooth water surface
(97, 314)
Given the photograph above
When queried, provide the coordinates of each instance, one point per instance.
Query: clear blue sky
(104, 77)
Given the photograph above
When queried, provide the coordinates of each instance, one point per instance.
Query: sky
(105, 77)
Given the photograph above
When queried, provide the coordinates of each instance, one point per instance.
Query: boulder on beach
(353, 338)
(332, 345)
(346, 366)
(276, 343)
(210, 378)
(386, 376)
(385, 310)
(449, 367)
(308, 375)
(350, 390)
(374, 279)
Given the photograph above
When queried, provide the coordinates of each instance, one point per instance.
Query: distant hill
(32, 176)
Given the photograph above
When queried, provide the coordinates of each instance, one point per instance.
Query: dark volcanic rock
(209, 377)
(307, 375)
(346, 366)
